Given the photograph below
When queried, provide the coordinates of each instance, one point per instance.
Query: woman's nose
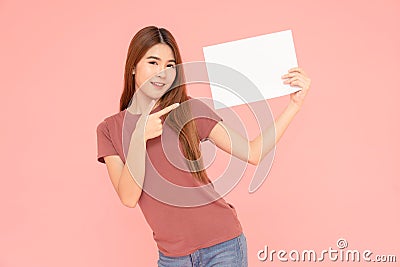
(161, 72)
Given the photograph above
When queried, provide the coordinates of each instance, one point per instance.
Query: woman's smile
(158, 85)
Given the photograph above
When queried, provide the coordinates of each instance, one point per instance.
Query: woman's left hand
(297, 77)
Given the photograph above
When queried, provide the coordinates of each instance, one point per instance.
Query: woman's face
(155, 72)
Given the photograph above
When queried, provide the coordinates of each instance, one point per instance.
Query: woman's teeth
(158, 84)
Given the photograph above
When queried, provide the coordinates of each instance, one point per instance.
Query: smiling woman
(154, 88)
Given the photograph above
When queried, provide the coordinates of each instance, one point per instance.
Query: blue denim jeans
(230, 253)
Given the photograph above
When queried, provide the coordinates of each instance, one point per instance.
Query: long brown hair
(188, 136)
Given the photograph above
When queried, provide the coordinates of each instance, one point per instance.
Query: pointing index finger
(166, 110)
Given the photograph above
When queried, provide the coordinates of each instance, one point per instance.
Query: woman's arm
(128, 178)
(266, 141)
(254, 151)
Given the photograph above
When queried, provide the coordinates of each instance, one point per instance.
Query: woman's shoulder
(115, 116)
(112, 119)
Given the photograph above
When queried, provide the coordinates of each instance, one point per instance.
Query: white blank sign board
(262, 59)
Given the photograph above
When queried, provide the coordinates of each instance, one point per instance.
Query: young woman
(205, 235)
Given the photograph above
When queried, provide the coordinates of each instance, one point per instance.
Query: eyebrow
(157, 58)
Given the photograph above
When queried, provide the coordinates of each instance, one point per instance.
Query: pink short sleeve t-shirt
(178, 231)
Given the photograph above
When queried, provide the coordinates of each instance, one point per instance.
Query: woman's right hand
(150, 125)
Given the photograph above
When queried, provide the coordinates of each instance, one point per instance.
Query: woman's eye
(170, 65)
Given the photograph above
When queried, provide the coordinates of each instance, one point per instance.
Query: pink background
(335, 172)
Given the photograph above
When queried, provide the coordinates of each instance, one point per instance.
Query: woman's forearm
(264, 142)
(132, 177)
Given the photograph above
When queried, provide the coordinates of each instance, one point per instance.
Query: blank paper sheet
(262, 59)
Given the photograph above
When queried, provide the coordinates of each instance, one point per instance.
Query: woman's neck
(140, 102)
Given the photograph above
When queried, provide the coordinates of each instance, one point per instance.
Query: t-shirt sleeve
(205, 117)
(105, 146)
